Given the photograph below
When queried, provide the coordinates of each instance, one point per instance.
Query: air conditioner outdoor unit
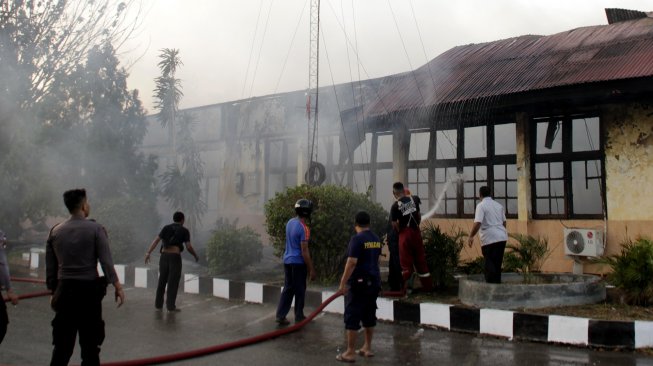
(583, 242)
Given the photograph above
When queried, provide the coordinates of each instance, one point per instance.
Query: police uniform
(73, 250)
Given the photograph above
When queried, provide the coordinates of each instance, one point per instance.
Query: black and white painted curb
(500, 323)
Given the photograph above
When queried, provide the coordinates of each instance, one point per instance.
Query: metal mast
(313, 81)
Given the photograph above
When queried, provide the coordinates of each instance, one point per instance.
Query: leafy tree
(332, 223)
(167, 92)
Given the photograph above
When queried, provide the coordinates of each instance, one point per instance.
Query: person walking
(5, 285)
(405, 213)
(361, 284)
(297, 263)
(73, 250)
(174, 236)
(490, 219)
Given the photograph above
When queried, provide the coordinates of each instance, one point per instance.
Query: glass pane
(446, 144)
(363, 151)
(469, 206)
(557, 188)
(554, 132)
(468, 173)
(452, 207)
(499, 189)
(586, 192)
(468, 189)
(511, 170)
(505, 140)
(558, 206)
(585, 135)
(512, 207)
(412, 175)
(557, 170)
(481, 173)
(275, 184)
(384, 149)
(542, 206)
(542, 188)
(384, 188)
(361, 181)
(512, 189)
(475, 142)
(499, 172)
(419, 146)
(541, 170)
(440, 175)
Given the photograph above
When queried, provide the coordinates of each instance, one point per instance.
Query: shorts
(360, 306)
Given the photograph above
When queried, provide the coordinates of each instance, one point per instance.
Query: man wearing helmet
(297, 263)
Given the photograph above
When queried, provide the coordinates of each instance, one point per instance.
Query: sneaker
(282, 321)
(175, 310)
(300, 319)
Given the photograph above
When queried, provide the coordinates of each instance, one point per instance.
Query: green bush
(474, 266)
(632, 270)
(526, 257)
(442, 254)
(332, 223)
(230, 249)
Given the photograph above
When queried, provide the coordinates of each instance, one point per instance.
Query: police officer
(73, 250)
(297, 263)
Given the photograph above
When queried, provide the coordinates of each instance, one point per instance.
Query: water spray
(458, 177)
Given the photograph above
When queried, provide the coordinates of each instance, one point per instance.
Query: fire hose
(216, 348)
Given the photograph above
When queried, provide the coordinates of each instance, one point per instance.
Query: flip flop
(339, 358)
(360, 352)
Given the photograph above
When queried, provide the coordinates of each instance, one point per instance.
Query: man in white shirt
(490, 219)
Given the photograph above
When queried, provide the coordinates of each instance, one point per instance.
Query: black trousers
(493, 254)
(4, 319)
(294, 285)
(169, 274)
(78, 310)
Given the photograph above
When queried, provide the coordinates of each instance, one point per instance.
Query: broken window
(567, 176)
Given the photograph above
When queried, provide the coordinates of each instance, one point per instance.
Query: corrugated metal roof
(584, 55)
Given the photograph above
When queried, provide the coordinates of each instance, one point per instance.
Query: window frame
(567, 157)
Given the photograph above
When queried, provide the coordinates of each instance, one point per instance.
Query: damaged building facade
(560, 127)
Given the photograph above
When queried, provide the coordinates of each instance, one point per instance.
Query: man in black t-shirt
(362, 282)
(174, 236)
(406, 217)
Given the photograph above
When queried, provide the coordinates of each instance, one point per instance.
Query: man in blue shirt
(297, 263)
(362, 282)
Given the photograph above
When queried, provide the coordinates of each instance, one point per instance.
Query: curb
(505, 324)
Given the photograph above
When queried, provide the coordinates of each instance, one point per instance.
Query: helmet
(303, 207)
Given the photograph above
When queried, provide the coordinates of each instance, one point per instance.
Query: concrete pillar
(524, 209)
(400, 151)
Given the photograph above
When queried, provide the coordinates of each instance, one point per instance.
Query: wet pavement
(136, 330)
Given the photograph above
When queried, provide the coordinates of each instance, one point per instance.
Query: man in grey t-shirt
(490, 219)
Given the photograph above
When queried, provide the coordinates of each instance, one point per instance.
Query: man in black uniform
(174, 237)
(361, 282)
(73, 250)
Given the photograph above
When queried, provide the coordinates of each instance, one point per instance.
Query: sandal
(340, 358)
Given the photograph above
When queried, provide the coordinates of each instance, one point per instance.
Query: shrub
(332, 223)
(474, 266)
(526, 257)
(442, 254)
(632, 270)
(230, 249)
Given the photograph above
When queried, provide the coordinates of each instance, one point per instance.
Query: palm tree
(168, 91)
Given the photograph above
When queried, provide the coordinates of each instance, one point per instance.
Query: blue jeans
(294, 285)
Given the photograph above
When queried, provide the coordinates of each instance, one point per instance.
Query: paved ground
(137, 331)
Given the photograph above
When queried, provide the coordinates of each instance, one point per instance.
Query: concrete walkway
(137, 331)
